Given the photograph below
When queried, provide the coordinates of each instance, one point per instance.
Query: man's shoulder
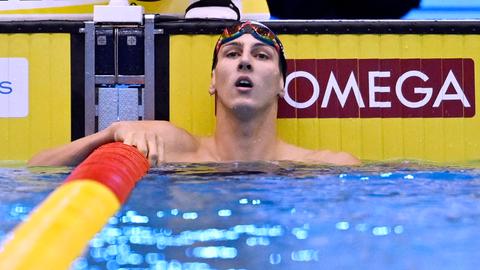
(175, 136)
(296, 153)
(332, 157)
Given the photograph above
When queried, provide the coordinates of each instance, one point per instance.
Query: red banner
(379, 88)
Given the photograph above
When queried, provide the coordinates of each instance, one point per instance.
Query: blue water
(277, 216)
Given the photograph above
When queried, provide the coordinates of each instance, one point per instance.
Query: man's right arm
(151, 138)
(72, 153)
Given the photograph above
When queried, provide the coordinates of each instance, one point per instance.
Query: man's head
(260, 32)
(248, 71)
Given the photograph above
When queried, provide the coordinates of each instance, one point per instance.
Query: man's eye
(232, 54)
(263, 56)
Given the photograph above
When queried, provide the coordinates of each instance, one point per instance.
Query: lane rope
(58, 230)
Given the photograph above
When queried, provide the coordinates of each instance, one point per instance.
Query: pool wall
(378, 89)
(36, 93)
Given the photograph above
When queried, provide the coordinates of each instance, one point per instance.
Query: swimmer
(248, 76)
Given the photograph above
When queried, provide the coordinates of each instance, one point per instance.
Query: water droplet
(342, 225)
(275, 258)
(224, 213)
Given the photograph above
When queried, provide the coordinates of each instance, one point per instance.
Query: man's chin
(244, 111)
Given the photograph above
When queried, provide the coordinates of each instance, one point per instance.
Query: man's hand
(146, 136)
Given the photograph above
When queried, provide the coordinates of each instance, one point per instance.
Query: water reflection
(277, 215)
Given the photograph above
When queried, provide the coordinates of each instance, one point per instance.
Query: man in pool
(248, 76)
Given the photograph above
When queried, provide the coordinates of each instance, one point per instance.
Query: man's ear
(212, 88)
(281, 92)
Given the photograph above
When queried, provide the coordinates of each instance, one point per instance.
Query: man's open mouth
(244, 82)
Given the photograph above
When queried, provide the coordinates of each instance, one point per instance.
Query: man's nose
(244, 65)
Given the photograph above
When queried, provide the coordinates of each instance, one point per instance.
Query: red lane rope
(116, 165)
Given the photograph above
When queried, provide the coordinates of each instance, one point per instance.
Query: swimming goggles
(257, 30)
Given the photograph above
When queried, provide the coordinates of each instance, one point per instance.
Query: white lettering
(416, 90)
(313, 98)
(373, 89)
(352, 85)
(460, 95)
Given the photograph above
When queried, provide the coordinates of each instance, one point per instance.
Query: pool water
(277, 216)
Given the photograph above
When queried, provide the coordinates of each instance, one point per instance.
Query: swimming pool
(277, 216)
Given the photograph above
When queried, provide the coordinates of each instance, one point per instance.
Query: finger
(152, 149)
(141, 143)
(128, 139)
(160, 150)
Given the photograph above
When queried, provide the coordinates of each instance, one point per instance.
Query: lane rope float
(58, 230)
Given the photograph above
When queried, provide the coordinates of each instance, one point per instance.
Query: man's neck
(246, 138)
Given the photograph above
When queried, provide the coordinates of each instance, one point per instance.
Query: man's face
(247, 74)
